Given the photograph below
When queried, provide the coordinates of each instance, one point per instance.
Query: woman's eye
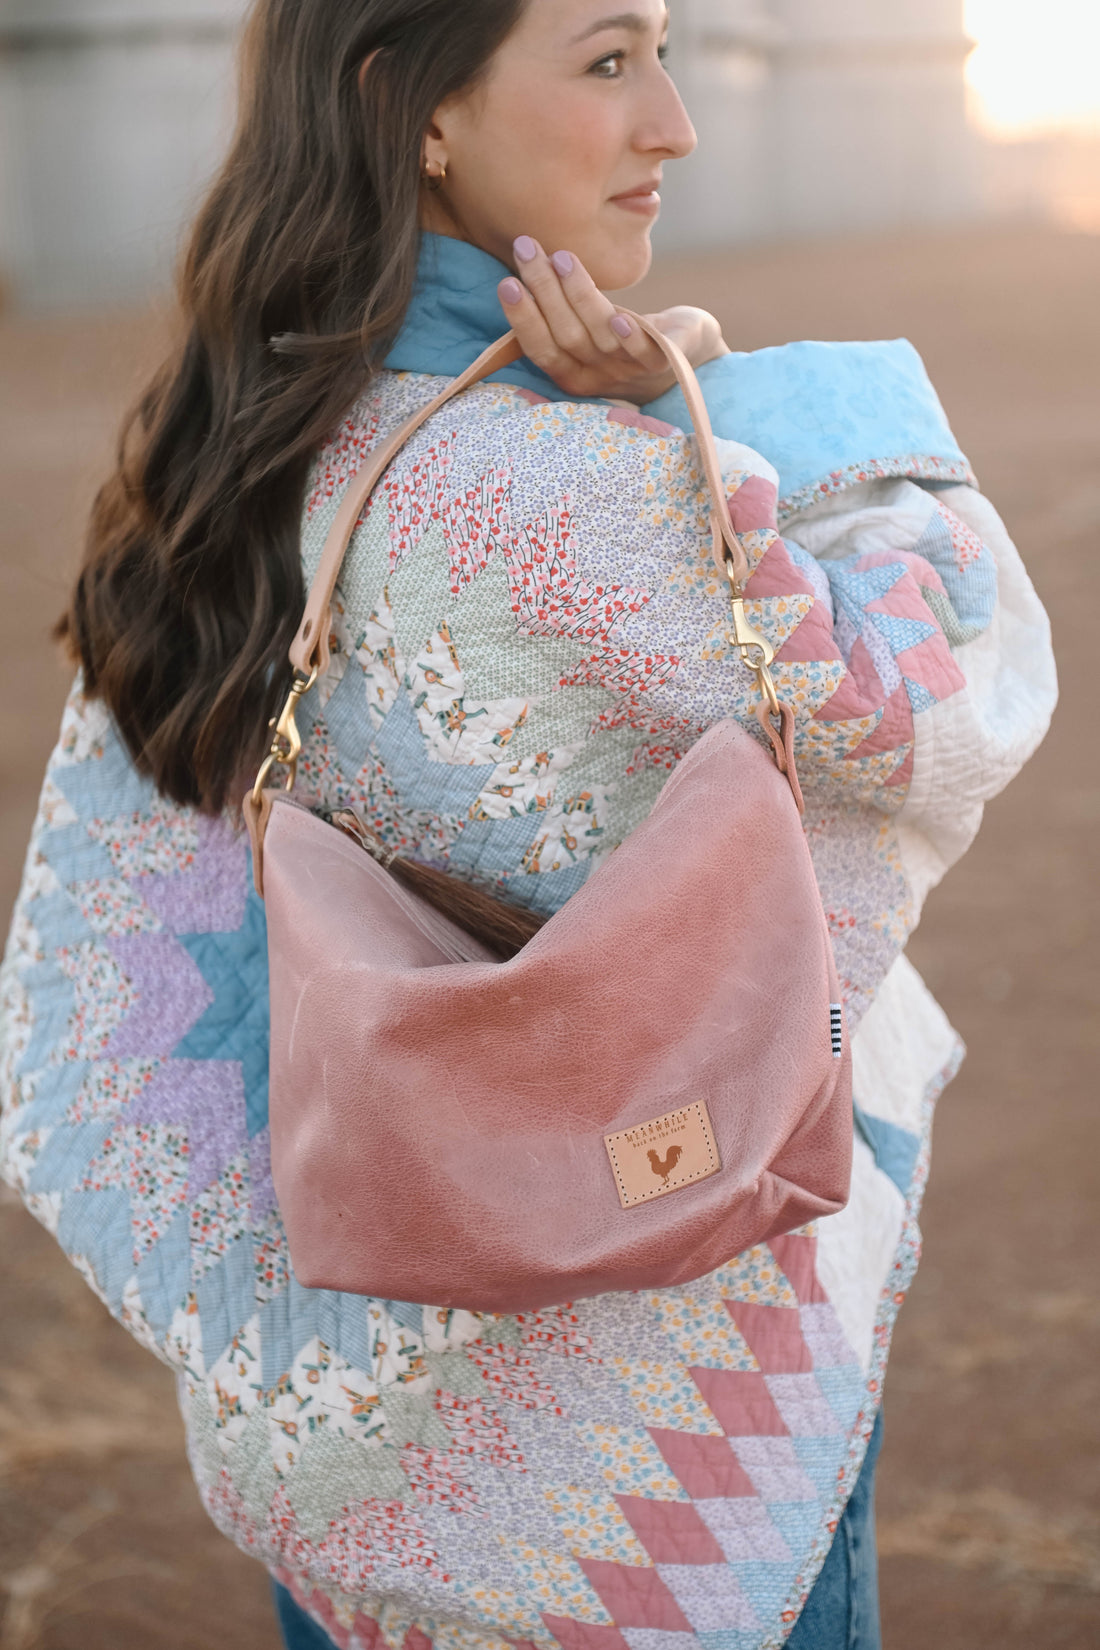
(610, 67)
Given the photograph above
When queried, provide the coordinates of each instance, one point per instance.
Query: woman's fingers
(544, 280)
(537, 341)
(573, 331)
(568, 327)
(608, 330)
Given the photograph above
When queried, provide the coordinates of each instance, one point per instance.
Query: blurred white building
(112, 116)
(814, 116)
(819, 116)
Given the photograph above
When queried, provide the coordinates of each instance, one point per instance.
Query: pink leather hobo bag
(656, 1080)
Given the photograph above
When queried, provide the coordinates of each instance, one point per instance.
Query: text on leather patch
(653, 1158)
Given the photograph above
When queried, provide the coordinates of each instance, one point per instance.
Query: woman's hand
(577, 336)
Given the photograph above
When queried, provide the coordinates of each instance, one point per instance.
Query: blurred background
(866, 168)
(814, 117)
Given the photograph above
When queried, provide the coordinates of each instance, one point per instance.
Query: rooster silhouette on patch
(664, 1166)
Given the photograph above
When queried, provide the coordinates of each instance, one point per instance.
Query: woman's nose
(666, 125)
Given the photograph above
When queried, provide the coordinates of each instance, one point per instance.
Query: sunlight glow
(1037, 65)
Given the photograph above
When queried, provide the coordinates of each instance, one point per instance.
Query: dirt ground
(989, 1499)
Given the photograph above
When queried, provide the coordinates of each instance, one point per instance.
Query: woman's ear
(435, 147)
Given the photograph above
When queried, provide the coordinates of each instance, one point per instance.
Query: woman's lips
(647, 201)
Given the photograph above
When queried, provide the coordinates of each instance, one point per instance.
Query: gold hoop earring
(435, 180)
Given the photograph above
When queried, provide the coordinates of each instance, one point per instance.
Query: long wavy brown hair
(296, 280)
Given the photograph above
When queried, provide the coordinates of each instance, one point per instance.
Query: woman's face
(576, 116)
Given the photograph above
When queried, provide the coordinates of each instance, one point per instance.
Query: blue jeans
(841, 1612)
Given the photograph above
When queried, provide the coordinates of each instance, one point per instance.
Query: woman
(528, 638)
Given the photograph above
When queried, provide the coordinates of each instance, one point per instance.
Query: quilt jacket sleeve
(947, 645)
(910, 642)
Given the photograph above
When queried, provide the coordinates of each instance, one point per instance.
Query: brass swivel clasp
(286, 744)
(755, 649)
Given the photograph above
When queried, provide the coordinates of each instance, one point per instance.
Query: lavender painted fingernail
(524, 248)
(563, 262)
(621, 325)
(510, 290)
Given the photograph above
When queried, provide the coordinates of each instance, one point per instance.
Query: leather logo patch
(661, 1156)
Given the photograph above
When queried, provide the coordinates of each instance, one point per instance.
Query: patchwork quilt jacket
(529, 636)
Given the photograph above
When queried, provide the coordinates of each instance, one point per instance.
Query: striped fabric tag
(836, 1029)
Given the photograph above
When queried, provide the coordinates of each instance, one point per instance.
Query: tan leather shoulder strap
(725, 544)
(309, 650)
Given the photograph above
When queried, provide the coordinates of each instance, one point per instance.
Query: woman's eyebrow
(631, 20)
